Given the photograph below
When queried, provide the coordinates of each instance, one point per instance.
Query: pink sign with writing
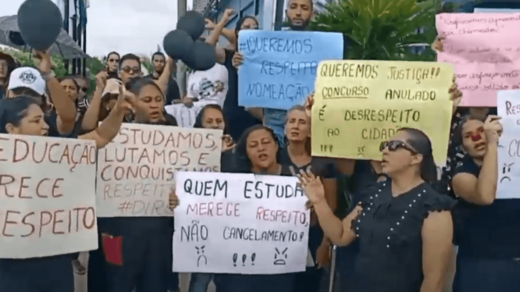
(485, 49)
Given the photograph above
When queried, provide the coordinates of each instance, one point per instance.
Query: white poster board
(136, 171)
(239, 224)
(47, 196)
(508, 107)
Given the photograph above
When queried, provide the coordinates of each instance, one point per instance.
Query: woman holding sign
(211, 116)
(23, 116)
(486, 231)
(258, 152)
(404, 227)
(138, 249)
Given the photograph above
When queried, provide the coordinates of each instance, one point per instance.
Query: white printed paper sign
(136, 171)
(508, 107)
(239, 224)
(47, 196)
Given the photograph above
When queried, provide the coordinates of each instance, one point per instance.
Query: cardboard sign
(136, 171)
(239, 224)
(47, 196)
(280, 66)
(359, 104)
(508, 107)
(485, 49)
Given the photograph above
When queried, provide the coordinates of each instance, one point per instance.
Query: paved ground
(81, 281)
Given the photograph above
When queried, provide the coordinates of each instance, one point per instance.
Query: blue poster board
(279, 68)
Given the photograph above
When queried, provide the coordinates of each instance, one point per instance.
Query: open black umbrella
(64, 45)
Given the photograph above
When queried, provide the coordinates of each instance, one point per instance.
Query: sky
(125, 26)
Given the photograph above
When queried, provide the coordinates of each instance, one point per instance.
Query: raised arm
(65, 107)
(109, 129)
(482, 190)
(91, 118)
(339, 232)
(165, 77)
(437, 237)
(215, 34)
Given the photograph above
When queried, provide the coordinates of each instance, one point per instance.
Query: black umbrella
(64, 45)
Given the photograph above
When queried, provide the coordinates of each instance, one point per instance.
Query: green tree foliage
(94, 66)
(382, 29)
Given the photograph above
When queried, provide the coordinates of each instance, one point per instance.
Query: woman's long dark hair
(421, 143)
(238, 26)
(241, 149)
(13, 110)
(200, 116)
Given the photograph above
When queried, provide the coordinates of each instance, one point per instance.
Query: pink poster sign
(485, 50)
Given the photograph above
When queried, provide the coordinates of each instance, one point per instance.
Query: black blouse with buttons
(389, 232)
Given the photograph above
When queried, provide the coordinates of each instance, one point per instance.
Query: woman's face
(83, 87)
(298, 127)
(261, 149)
(398, 155)
(70, 87)
(474, 138)
(213, 119)
(150, 105)
(113, 62)
(249, 23)
(32, 124)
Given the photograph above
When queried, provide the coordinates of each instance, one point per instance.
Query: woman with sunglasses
(403, 226)
(113, 59)
(487, 228)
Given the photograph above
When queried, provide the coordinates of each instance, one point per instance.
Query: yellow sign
(359, 104)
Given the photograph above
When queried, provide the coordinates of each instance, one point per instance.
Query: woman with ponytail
(404, 227)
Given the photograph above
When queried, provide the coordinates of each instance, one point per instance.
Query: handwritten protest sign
(508, 107)
(136, 171)
(47, 196)
(359, 104)
(485, 49)
(280, 66)
(239, 224)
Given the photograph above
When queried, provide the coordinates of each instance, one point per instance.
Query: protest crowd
(150, 182)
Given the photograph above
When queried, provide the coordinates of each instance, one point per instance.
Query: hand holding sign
(173, 199)
(238, 60)
(455, 95)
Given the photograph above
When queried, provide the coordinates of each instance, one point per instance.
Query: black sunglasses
(114, 60)
(84, 89)
(394, 145)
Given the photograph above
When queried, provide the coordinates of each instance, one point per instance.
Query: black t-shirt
(320, 166)
(238, 119)
(389, 235)
(51, 119)
(173, 92)
(486, 231)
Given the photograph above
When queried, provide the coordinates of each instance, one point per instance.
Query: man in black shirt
(173, 91)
